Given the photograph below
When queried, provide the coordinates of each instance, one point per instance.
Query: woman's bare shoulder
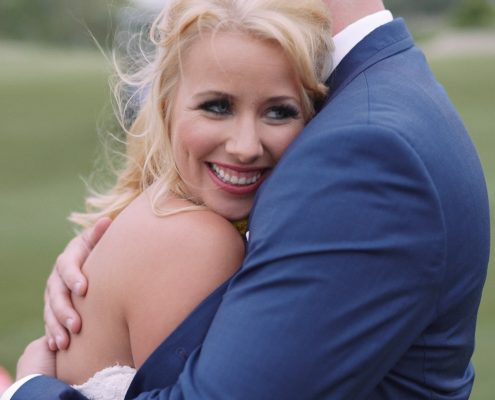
(168, 265)
(198, 249)
(201, 233)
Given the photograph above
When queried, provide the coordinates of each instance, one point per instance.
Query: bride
(230, 86)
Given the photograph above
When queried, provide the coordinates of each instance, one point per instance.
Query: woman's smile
(235, 179)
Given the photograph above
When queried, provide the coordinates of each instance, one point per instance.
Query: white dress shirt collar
(350, 36)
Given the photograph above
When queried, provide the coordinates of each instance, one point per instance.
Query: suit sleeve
(46, 388)
(342, 275)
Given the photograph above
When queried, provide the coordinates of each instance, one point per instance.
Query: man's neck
(354, 33)
(346, 12)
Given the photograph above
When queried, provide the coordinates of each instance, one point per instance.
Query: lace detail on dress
(108, 384)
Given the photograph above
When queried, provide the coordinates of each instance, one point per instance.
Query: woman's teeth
(235, 177)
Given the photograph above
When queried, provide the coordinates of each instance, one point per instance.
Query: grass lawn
(471, 85)
(49, 104)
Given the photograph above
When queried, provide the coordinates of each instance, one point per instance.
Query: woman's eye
(283, 112)
(220, 107)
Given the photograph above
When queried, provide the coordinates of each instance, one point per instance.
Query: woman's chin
(232, 210)
(237, 215)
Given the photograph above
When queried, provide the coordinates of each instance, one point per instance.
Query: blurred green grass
(50, 101)
(470, 83)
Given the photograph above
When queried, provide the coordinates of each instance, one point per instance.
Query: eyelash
(223, 107)
(218, 107)
(285, 111)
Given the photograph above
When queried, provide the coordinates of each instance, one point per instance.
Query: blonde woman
(367, 254)
(231, 85)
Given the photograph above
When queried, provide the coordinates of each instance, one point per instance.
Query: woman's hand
(36, 359)
(65, 279)
(5, 380)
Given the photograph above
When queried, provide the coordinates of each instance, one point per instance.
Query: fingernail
(59, 339)
(69, 323)
(51, 344)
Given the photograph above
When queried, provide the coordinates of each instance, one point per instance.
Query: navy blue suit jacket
(368, 253)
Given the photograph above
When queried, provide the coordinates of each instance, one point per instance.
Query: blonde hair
(300, 27)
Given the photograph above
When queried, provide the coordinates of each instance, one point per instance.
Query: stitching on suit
(442, 219)
(425, 361)
(398, 134)
(369, 100)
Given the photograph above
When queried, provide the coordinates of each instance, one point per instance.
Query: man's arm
(13, 388)
(36, 357)
(341, 277)
(42, 388)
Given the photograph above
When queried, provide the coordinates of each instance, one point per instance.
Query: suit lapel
(384, 42)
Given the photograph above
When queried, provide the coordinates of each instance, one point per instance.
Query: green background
(50, 102)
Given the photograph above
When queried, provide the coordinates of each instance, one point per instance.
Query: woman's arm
(66, 278)
(37, 356)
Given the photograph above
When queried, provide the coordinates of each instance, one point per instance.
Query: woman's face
(236, 109)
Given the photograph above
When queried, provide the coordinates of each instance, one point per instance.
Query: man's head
(345, 12)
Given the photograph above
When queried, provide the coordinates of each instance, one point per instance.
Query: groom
(368, 250)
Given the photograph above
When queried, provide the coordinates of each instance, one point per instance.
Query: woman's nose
(244, 143)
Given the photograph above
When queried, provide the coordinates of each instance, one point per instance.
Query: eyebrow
(213, 93)
(282, 98)
(224, 95)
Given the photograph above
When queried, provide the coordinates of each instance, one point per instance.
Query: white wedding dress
(108, 384)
